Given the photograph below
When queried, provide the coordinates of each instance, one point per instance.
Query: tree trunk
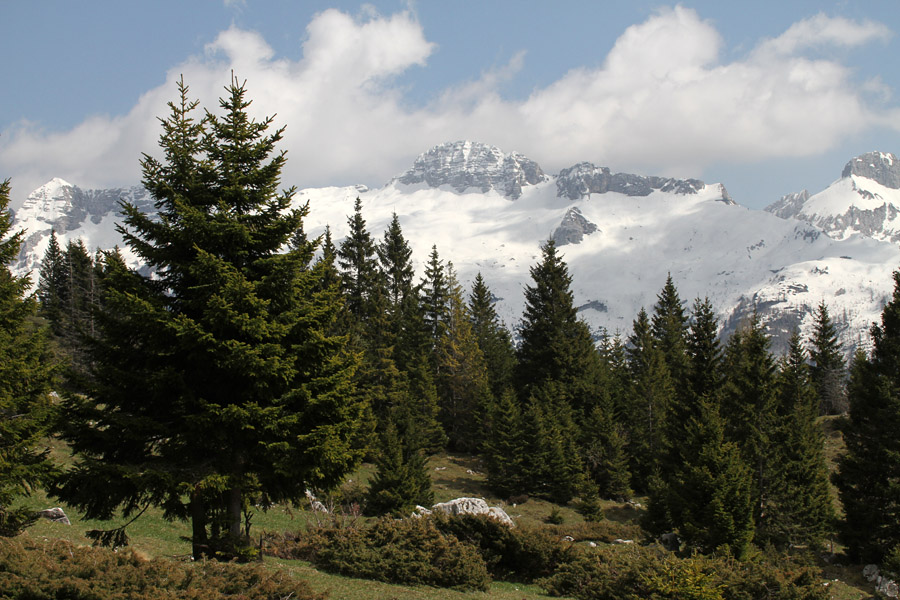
(199, 539)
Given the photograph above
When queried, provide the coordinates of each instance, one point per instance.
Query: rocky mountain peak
(790, 205)
(882, 167)
(585, 178)
(464, 164)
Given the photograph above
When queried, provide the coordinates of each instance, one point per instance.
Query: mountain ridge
(488, 211)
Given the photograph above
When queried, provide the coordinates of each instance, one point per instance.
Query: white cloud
(663, 101)
(822, 30)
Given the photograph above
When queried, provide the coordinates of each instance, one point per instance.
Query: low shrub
(520, 554)
(59, 570)
(409, 552)
(629, 572)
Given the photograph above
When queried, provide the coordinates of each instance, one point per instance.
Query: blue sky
(765, 97)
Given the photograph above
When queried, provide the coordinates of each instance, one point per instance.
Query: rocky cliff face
(471, 165)
(585, 179)
(881, 167)
(865, 201)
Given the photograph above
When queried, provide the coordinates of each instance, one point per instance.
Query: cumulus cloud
(663, 101)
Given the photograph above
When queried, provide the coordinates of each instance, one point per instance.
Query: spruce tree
(360, 279)
(649, 402)
(750, 408)
(801, 512)
(604, 451)
(462, 374)
(708, 498)
(670, 329)
(556, 346)
(828, 368)
(435, 295)
(492, 336)
(51, 289)
(702, 377)
(218, 382)
(26, 369)
(401, 478)
(869, 472)
(395, 258)
(504, 447)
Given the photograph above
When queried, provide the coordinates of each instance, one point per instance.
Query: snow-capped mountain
(73, 213)
(621, 234)
(864, 201)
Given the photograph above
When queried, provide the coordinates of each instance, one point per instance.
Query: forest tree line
(248, 363)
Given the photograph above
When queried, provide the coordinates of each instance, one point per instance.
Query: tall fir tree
(869, 472)
(669, 327)
(708, 498)
(650, 396)
(51, 291)
(462, 374)
(702, 378)
(801, 512)
(218, 381)
(395, 258)
(401, 480)
(504, 446)
(556, 346)
(828, 369)
(26, 368)
(360, 279)
(750, 407)
(435, 297)
(492, 336)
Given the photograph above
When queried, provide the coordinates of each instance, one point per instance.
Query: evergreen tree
(708, 499)
(360, 279)
(801, 512)
(51, 290)
(492, 336)
(395, 257)
(218, 381)
(869, 472)
(604, 451)
(435, 297)
(749, 405)
(25, 377)
(650, 398)
(462, 374)
(556, 345)
(828, 368)
(670, 329)
(704, 368)
(702, 378)
(401, 478)
(504, 446)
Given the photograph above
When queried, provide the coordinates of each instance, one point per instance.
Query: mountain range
(621, 234)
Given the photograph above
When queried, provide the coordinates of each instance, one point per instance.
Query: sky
(765, 97)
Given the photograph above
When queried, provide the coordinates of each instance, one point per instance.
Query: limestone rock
(463, 165)
(57, 515)
(573, 228)
(473, 506)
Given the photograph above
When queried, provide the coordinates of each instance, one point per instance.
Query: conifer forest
(246, 364)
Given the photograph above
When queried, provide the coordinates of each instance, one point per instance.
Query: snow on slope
(632, 238)
(737, 257)
(864, 201)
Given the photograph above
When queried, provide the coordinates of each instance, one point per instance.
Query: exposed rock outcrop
(882, 167)
(573, 228)
(468, 506)
(464, 165)
(584, 179)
